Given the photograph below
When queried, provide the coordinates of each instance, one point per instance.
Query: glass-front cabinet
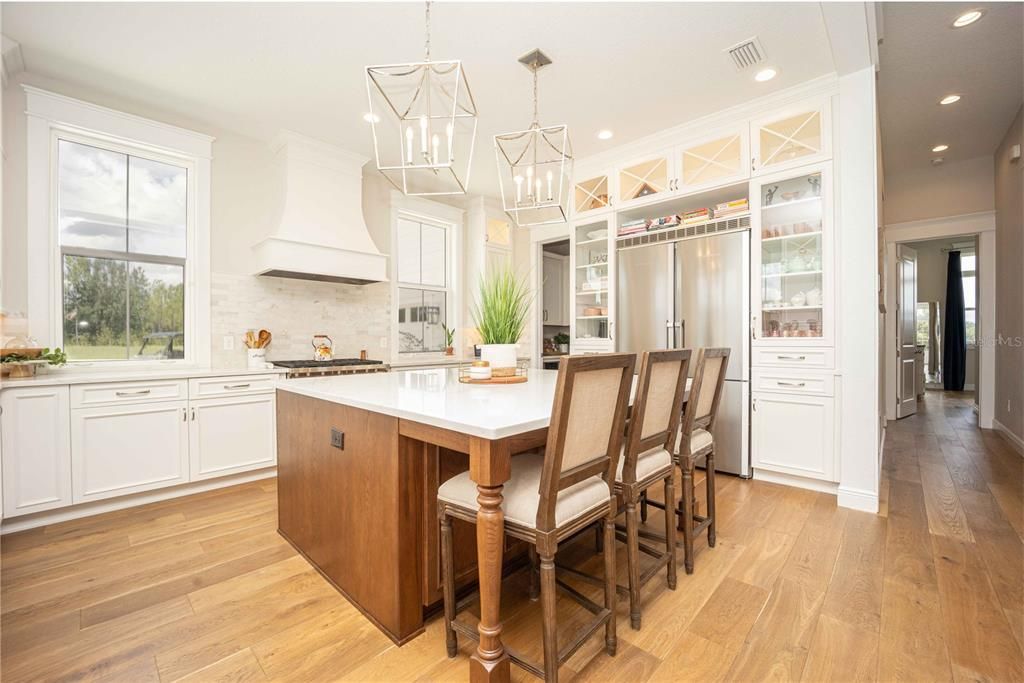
(792, 257)
(592, 271)
(642, 180)
(591, 194)
(714, 160)
(791, 137)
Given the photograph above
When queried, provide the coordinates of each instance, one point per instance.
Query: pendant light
(535, 165)
(423, 120)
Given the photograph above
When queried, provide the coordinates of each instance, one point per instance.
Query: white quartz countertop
(73, 375)
(436, 397)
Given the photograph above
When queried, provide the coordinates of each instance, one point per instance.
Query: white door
(36, 449)
(906, 330)
(117, 450)
(792, 434)
(553, 292)
(230, 435)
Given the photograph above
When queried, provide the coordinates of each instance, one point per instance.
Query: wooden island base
(365, 514)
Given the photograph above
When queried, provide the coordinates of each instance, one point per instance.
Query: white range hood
(320, 233)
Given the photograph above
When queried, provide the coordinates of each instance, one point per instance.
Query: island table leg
(490, 468)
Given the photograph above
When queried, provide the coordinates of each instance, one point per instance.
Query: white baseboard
(795, 481)
(11, 525)
(1015, 441)
(858, 499)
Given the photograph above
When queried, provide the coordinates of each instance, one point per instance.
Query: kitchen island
(359, 461)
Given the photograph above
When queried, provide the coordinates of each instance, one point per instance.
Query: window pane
(95, 294)
(969, 292)
(420, 316)
(970, 318)
(432, 255)
(156, 303)
(968, 261)
(408, 251)
(92, 189)
(156, 208)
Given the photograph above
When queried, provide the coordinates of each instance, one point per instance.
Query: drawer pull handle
(141, 392)
(791, 357)
(237, 386)
(790, 384)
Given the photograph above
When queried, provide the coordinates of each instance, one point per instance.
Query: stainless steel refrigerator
(695, 293)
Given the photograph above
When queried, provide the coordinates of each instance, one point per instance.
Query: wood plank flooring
(203, 589)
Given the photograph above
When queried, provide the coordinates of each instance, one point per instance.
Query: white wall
(241, 213)
(951, 189)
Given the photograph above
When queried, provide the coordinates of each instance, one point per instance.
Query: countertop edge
(99, 377)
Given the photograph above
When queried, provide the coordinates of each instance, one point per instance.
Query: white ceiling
(922, 58)
(256, 68)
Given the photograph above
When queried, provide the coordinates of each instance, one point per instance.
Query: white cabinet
(231, 435)
(646, 179)
(792, 433)
(36, 449)
(117, 450)
(713, 160)
(592, 192)
(791, 137)
(593, 270)
(555, 292)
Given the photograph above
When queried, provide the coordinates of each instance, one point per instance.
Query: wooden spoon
(264, 339)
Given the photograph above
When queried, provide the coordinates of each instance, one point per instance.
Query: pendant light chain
(426, 46)
(536, 117)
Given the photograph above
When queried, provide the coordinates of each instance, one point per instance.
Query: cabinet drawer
(116, 393)
(210, 387)
(789, 382)
(795, 358)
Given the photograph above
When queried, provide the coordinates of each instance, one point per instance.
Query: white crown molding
(823, 85)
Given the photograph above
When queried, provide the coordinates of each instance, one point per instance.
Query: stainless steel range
(335, 366)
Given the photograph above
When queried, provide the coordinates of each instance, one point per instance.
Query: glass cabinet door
(714, 162)
(790, 138)
(643, 179)
(591, 194)
(794, 277)
(591, 292)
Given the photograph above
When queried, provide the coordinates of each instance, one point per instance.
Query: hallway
(954, 560)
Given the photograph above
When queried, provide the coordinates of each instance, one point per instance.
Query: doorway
(555, 301)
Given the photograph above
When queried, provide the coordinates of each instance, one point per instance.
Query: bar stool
(696, 441)
(551, 496)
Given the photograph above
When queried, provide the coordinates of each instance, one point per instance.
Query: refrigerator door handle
(682, 334)
(668, 334)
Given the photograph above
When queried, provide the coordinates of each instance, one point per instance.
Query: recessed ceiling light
(370, 117)
(604, 134)
(949, 99)
(765, 75)
(940, 148)
(967, 18)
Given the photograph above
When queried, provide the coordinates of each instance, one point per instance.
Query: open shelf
(587, 292)
(602, 240)
(791, 308)
(794, 202)
(591, 317)
(593, 265)
(797, 274)
(783, 238)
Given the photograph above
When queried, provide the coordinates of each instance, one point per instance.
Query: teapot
(323, 347)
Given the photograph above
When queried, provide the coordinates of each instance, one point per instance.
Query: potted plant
(449, 340)
(562, 342)
(500, 314)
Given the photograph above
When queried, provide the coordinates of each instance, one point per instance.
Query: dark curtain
(954, 334)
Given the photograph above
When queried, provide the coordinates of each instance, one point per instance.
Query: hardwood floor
(203, 589)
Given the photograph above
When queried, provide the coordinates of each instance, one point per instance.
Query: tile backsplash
(354, 317)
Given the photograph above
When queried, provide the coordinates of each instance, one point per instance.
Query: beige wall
(949, 190)
(1009, 205)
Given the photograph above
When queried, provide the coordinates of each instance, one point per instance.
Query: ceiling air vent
(747, 53)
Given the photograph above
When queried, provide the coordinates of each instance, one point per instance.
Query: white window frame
(970, 273)
(51, 117)
(451, 220)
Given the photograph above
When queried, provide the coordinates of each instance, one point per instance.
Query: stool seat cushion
(521, 495)
(646, 464)
(699, 440)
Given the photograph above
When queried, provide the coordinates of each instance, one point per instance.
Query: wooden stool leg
(549, 623)
(670, 528)
(710, 482)
(643, 507)
(599, 537)
(448, 584)
(686, 505)
(610, 581)
(633, 559)
(534, 575)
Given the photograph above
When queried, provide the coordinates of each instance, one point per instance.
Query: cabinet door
(791, 258)
(642, 181)
(713, 161)
(591, 195)
(793, 434)
(592, 270)
(551, 312)
(791, 137)
(119, 450)
(218, 447)
(36, 433)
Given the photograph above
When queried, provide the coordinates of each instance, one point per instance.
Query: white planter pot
(502, 358)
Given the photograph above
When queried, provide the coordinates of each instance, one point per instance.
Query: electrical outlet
(229, 342)
(338, 439)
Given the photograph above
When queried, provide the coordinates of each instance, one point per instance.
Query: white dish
(597, 234)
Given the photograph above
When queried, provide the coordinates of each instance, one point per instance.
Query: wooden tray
(515, 379)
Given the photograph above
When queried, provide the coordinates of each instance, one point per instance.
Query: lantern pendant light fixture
(423, 120)
(535, 165)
